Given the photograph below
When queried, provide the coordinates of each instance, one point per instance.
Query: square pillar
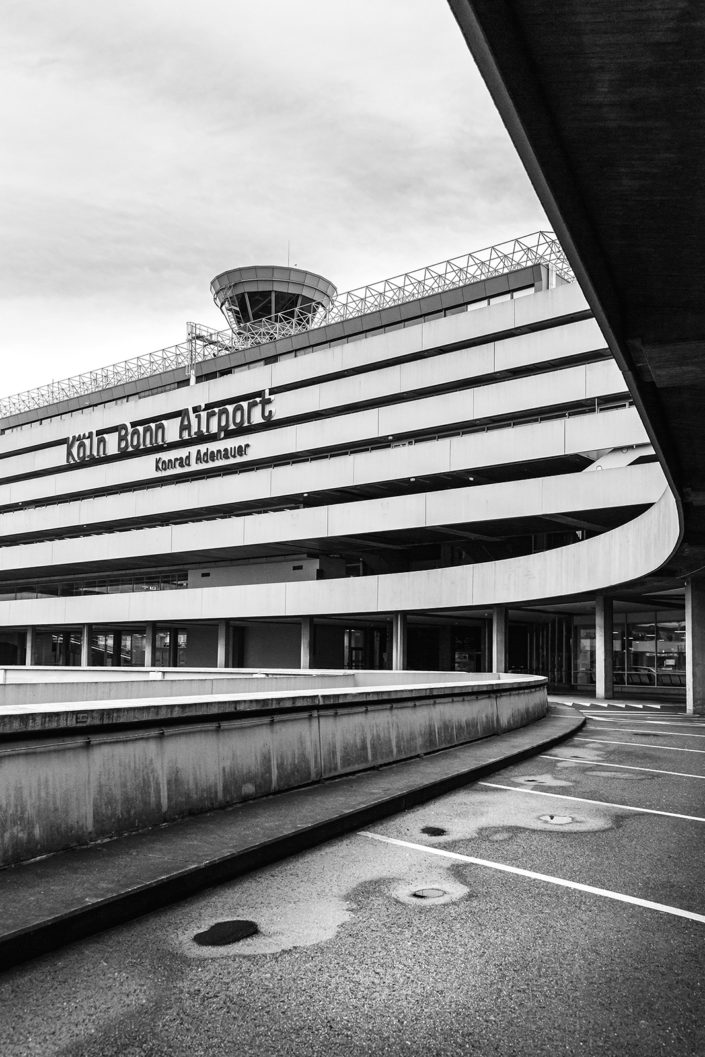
(307, 642)
(399, 641)
(29, 646)
(149, 642)
(604, 682)
(224, 659)
(695, 646)
(499, 639)
(86, 633)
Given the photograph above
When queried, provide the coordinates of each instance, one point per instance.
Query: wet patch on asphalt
(540, 779)
(429, 892)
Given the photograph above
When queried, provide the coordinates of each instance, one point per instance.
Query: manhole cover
(429, 893)
(556, 820)
(434, 831)
(225, 932)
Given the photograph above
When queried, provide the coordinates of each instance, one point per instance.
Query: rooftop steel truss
(204, 343)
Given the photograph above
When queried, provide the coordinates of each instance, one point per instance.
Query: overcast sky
(150, 144)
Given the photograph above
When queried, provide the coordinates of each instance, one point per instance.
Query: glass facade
(61, 647)
(117, 649)
(648, 649)
(170, 648)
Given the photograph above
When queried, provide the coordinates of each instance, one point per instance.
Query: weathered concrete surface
(60, 898)
(134, 767)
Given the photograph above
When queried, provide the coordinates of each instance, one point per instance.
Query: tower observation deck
(249, 296)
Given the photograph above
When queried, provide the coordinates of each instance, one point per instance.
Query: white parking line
(647, 722)
(585, 709)
(620, 897)
(640, 730)
(584, 800)
(636, 745)
(623, 766)
(622, 715)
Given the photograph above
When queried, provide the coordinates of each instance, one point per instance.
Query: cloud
(156, 143)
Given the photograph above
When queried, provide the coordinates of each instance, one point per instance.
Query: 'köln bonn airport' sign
(191, 424)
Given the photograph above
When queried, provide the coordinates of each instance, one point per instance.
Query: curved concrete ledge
(139, 766)
(634, 549)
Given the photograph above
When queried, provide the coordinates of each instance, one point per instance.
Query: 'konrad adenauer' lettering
(193, 423)
(201, 457)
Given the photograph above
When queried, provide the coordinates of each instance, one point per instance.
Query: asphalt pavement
(554, 907)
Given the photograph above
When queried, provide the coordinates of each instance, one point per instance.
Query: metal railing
(203, 343)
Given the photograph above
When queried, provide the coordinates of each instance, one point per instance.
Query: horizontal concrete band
(463, 367)
(179, 702)
(557, 306)
(66, 791)
(87, 688)
(508, 444)
(625, 553)
(559, 494)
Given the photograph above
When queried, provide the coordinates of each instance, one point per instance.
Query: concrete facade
(372, 496)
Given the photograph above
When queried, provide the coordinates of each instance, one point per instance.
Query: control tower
(251, 297)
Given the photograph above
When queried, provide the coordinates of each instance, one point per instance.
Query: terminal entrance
(648, 650)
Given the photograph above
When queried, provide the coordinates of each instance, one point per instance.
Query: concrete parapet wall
(37, 685)
(74, 786)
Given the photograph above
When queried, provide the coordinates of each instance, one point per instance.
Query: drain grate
(557, 820)
(429, 893)
(225, 932)
(434, 831)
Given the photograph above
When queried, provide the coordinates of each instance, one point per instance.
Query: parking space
(557, 906)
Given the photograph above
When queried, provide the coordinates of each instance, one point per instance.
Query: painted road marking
(621, 715)
(624, 766)
(584, 800)
(646, 723)
(666, 733)
(620, 897)
(636, 745)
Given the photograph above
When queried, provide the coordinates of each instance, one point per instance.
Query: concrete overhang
(605, 103)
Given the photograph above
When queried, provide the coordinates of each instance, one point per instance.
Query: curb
(45, 936)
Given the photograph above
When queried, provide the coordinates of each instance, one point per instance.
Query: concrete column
(604, 682)
(223, 660)
(307, 642)
(29, 647)
(399, 641)
(499, 639)
(149, 643)
(695, 646)
(86, 632)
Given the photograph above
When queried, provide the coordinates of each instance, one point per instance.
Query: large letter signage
(191, 424)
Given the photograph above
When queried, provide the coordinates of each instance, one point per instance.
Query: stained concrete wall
(60, 791)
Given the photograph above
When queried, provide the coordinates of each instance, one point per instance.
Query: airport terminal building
(444, 470)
